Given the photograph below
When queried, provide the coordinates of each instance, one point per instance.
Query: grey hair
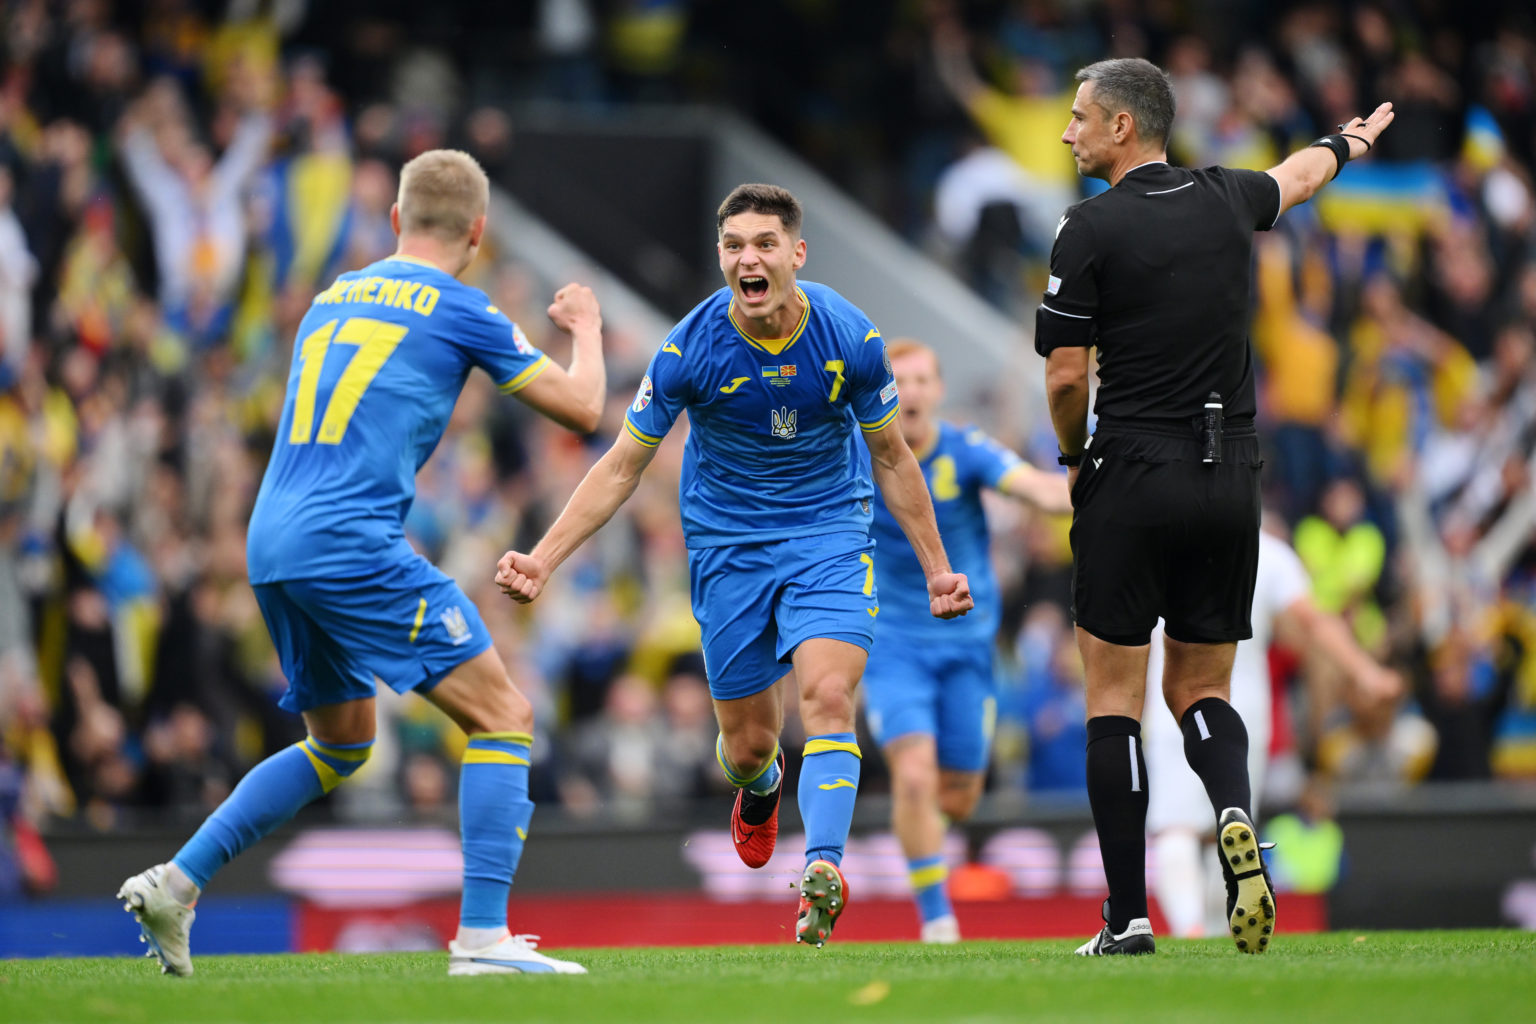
(1138, 87)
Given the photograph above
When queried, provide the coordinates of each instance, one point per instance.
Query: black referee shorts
(1158, 533)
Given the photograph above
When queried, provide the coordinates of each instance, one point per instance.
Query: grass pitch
(1347, 977)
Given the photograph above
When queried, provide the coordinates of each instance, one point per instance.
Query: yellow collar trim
(773, 346)
(417, 260)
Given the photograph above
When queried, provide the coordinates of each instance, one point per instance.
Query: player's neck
(429, 250)
(781, 323)
(1132, 160)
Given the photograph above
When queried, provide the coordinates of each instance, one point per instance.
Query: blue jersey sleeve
(664, 392)
(986, 460)
(497, 345)
(871, 385)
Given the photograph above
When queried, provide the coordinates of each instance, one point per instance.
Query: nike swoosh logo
(669, 347)
(733, 385)
(839, 784)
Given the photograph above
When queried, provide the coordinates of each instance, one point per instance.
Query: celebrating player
(382, 356)
(929, 684)
(775, 502)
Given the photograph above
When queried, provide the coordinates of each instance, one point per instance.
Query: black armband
(1070, 461)
(1340, 146)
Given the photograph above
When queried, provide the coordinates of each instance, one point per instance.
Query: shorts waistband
(1193, 429)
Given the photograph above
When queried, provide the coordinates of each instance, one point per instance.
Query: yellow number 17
(375, 341)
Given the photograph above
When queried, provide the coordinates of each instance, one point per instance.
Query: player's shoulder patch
(520, 341)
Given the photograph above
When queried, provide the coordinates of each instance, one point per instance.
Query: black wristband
(1340, 146)
(1070, 461)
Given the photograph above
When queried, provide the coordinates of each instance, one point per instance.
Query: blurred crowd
(178, 179)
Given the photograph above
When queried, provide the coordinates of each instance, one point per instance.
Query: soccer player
(381, 358)
(778, 378)
(1154, 274)
(929, 685)
(1177, 817)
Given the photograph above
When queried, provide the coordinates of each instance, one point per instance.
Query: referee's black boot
(1134, 941)
(1250, 894)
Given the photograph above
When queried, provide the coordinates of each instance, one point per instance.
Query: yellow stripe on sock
(740, 781)
(827, 746)
(506, 737)
(475, 756)
(933, 874)
(339, 753)
(329, 780)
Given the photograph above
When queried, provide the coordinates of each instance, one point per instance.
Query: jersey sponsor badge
(888, 393)
(1052, 285)
(643, 396)
(783, 422)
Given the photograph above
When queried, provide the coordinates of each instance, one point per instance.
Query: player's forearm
(905, 492)
(587, 370)
(1330, 636)
(1067, 394)
(1303, 173)
(606, 487)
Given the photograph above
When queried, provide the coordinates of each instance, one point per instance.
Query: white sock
(182, 889)
(479, 938)
(1180, 882)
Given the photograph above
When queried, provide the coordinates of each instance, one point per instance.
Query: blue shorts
(946, 690)
(409, 625)
(757, 602)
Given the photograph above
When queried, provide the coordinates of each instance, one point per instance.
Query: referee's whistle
(1212, 454)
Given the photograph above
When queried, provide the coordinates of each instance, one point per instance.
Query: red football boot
(754, 843)
(823, 897)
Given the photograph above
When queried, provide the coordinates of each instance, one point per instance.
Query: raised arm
(573, 397)
(607, 485)
(1307, 170)
(1045, 491)
(901, 483)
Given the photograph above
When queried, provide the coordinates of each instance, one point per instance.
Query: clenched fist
(521, 577)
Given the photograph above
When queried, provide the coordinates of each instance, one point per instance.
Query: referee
(1154, 273)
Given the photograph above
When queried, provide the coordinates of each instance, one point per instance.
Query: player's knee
(958, 804)
(915, 784)
(827, 704)
(335, 762)
(749, 746)
(504, 709)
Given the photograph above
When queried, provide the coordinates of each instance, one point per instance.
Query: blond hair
(442, 192)
(898, 347)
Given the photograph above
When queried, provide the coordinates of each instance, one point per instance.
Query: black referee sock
(1216, 747)
(1117, 791)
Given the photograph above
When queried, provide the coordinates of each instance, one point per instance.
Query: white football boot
(514, 954)
(165, 923)
(942, 931)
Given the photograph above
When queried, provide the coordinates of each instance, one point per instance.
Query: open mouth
(754, 287)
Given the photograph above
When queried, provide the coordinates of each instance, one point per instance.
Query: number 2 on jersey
(375, 341)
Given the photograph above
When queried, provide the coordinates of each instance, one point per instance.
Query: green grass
(1354, 977)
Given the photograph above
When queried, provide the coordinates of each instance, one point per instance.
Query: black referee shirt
(1155, 272)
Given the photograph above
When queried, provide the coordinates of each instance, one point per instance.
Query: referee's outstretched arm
(1307, 170)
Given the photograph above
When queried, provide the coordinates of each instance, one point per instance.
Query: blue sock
(764, 782)
(928, 876)
(270, 794)
(829, 781)
(494, 814)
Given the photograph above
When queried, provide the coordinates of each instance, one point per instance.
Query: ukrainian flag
(1384, 199)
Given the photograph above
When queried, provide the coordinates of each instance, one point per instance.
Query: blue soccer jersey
(773, 451)
(380, 360)
(959, 465)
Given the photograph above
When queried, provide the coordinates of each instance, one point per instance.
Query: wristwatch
(1070, 461)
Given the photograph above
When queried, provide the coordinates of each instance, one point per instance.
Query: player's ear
(799, 253)
(477, 231)
(394, 218)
